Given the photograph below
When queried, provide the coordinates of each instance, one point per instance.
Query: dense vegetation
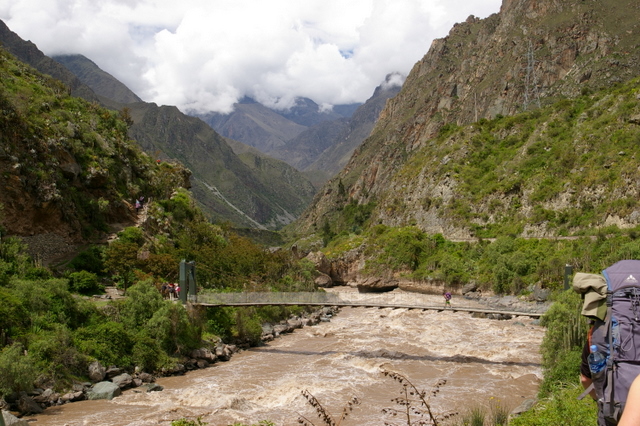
(505, 265)
(74, 158)
(49, 331)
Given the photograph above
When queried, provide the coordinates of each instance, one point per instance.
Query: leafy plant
(16, 370)
(186, 422)
(85, 282)
(414, 404)
(324, 415)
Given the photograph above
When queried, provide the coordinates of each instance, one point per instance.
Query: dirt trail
(52, 249)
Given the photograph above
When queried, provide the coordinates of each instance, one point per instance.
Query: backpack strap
(586, 392)
(610, 409)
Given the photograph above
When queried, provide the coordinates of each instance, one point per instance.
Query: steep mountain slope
(235, 193)
(101, 82)
(531, 53)
(29, 53)
(278, 132)
(226, 187)
(255, 125)
(68, 168)
(332, 143)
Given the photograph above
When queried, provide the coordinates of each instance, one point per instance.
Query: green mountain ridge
(101, 82)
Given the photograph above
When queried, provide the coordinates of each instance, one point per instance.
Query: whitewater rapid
(484, 362)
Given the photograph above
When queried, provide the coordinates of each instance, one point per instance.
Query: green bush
(55, 354)
(247, 327)
(109, 342)
(17, 372)
(89, 260)
(51, 299)
(561, 408)
(563, 342)
(146, 353)
(142, 302)
(131, 234)
(85, 282)
(175, 332)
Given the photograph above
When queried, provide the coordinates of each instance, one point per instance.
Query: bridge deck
(365, 300)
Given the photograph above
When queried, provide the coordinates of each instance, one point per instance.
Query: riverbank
(110, 382)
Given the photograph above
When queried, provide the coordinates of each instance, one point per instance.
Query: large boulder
(72, 397)
(26, 406)
(376, 285)
(112, 372)
(123, 380)
(153, 387)
(97, 372)
(320, 261)
(223, 352)
(11, 420)
(323, 280)
(469, 288)
(146, 377)
(104, 390)
(205, 354)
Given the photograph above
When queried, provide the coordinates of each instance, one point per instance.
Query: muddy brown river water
(485, 362)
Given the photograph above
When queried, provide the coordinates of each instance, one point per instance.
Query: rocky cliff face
(529, 55)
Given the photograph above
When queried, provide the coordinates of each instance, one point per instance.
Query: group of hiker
(170, 291)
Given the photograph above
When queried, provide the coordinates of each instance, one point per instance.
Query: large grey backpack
(618, 336)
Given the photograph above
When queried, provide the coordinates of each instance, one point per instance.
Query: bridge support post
(568, 271)
(191, 278)
(187, 281)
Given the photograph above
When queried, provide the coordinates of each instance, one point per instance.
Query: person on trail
(138, 205)
(164, 290)
(447, 299)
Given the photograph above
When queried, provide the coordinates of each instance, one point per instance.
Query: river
(484, 362)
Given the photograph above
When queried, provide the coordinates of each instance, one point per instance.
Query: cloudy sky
(204, 55)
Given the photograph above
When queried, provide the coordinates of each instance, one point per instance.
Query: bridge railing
(319, 298)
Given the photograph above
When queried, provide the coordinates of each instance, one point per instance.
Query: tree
(121, 258)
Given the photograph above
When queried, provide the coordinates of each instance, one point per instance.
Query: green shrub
(563, 342)
(55, 354)
(142, 302)
(219, 322)
(109, 342)
(146, 353)
(17, 372)
(51, 299)
(89, 260)
(13, 315)
(247, 327)
(173, 329)
(561, 408)
(132, 234)
(85, 282)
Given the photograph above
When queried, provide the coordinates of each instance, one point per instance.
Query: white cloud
(206, 54)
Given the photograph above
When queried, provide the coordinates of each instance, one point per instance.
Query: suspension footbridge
(365, 300)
